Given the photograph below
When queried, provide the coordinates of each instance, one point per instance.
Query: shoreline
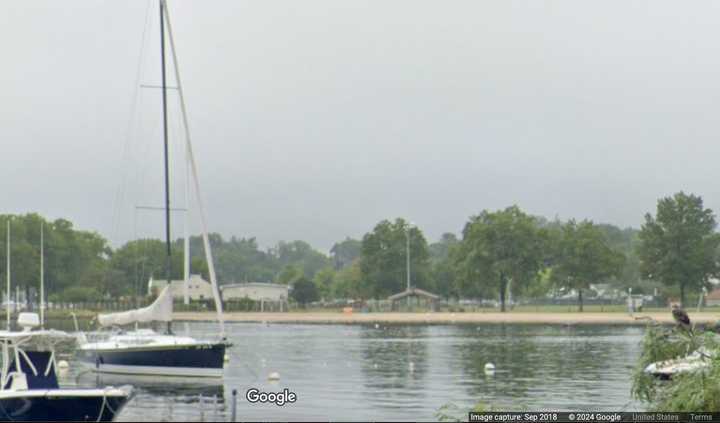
(446, 318)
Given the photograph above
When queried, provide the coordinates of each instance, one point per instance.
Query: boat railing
(22, 370)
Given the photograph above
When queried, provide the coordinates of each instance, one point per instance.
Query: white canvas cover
(159, 311)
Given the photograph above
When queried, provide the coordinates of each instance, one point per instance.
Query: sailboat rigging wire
(129, 132)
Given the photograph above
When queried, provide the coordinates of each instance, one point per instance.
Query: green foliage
(301, 255)
(624, 241)
(345, 252)
(237, 259)
(242, 304)
(679, 245)
(498, 247)
(542, 286)
(690, 391)
(324, 280)
(304, 291)
(290, 274)
(348, 283)
(440, 251)
(451, 412)
(384, 258)
(240, 259)
(583, 257)
(443, 269)
(78, 294)
(133, 264)
(499, 250)
(72, 257)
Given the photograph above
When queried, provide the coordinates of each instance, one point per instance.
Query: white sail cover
(159, 311)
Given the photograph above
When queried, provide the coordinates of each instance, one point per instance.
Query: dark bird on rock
(680, 316)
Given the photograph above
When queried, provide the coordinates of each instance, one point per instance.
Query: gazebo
(420, 295)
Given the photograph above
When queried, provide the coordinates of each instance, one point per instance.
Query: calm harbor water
(395, 372)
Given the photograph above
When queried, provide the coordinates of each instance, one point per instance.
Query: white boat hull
(119, 369)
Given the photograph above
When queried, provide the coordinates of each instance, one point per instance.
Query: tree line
(674, 253)
(496, 254)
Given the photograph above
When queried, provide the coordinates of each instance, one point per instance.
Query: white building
(198, 288)
(257, 291)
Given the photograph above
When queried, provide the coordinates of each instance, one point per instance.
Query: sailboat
(29, 388)
(145, 351)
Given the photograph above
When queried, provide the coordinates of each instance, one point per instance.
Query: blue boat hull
(103, 409)
(188, 360)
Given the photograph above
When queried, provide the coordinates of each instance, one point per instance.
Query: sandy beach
(607, 318)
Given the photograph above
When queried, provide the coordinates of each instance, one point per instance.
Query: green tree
(499, 247)
(78, 294)
(443, 269)
(679, 245)
(440, 250)
(347, 283)
(72, 257)
(542, 286)
(345, 252)
(384, 258)
(625, 241)
(238, 259)
(584, 257)
(301, 255)
(324, 280)
(304, 291)
(290, 274)
(136, 262)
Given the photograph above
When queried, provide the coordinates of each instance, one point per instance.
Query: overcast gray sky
(316, 119)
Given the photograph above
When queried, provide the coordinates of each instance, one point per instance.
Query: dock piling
(234, 406)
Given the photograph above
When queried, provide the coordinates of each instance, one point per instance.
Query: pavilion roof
(414, 292)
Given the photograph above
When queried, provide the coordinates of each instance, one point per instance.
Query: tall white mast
(8, 275)
(193, 168)
(186, 243)
(42, 276)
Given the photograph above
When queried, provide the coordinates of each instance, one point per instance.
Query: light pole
(407, 256)
(407, 249)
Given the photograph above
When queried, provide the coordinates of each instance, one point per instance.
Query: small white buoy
(412, 366)
(375, 366)
(226, 358)
(63, 365)
(489, 369)
(274, 376)
(377, 326)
